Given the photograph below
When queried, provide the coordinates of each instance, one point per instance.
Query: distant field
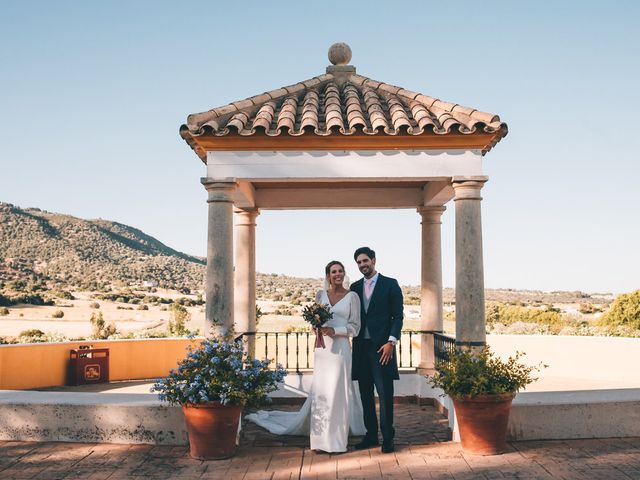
(281, 300)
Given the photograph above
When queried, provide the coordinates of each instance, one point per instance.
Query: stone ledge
(89, 417)
(577, 414)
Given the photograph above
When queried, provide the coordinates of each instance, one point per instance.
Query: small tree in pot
(213, 383)
(482, 387)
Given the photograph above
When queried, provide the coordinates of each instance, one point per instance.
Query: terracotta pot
(483, 422)
(212, 429)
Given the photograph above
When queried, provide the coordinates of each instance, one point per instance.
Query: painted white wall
(575, 363)
(326, 165)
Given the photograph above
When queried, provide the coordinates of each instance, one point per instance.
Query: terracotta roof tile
(341, 103)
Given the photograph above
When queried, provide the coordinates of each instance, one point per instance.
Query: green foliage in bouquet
(219, 370)
(468, 375)
(316, 314)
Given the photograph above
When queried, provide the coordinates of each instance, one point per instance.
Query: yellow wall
(45, 365)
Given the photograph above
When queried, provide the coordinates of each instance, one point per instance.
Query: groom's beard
(366, 271)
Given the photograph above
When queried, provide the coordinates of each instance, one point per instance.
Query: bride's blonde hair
(345, 283)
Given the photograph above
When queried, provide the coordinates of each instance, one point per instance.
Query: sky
(92, 95)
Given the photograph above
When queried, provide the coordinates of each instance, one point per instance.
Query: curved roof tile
(341, 104)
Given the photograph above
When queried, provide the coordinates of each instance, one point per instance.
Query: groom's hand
(387, 353)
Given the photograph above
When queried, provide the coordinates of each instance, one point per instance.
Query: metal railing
(443, 346)
(294, 350)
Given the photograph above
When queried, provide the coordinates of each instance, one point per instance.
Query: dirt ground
(77, 313)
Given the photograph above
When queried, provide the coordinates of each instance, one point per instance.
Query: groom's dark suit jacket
(383, 318)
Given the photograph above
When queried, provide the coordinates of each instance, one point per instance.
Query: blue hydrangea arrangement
(219, 370)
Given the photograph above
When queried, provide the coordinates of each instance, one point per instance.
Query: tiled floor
(423, 452)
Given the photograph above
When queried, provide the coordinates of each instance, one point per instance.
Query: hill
(61, 251)
(52, 251)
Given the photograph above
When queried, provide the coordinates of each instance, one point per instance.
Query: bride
(333, 407)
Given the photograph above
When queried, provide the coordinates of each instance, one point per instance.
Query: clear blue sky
(92, 95)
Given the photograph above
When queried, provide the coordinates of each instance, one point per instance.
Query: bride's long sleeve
(353, 323)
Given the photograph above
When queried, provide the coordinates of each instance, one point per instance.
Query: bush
(625, 311)
(95, 305)
(466, 374)
(219, 370)
(64, 294)
(4, 311)
(178, 320)
(34, 332)
(283, 310)
(508, 314)
(142, 306)
(38, 336)
(101, 330)
(57, 314)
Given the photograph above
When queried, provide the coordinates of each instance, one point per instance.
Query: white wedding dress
(333, 407)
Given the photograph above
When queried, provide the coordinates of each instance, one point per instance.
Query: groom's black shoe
(388, 447)
(367, 442)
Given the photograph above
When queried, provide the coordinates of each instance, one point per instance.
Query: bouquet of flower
(317, 314)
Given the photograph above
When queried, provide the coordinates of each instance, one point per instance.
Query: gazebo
(342, 140)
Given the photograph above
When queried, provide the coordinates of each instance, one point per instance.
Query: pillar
(219, 277)
(470, 315)
(245, 275)
(431, 319)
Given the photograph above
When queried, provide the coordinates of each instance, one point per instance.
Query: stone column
(219, 281)
(431, 284)
(470, 316)
(245, 275)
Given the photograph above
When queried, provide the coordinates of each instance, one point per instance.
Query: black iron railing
(443, 346)
(294, 350)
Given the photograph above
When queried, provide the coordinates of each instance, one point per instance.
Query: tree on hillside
(625, 310)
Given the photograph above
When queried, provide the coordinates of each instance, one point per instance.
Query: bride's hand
(328, 331)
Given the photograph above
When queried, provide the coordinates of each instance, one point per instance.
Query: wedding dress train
(333, 408)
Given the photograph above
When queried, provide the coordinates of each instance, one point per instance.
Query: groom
(374, 360)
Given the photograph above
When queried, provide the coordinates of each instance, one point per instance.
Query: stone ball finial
(340, 54)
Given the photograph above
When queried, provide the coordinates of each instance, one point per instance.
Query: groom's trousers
(374, 375)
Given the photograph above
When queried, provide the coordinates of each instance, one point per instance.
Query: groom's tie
(368, 288)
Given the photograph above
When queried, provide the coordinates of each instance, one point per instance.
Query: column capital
(219, 190)
(468, 188)
(246, 216)
(431, 214)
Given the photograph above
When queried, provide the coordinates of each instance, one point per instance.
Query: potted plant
(212, 384)
(482, 387)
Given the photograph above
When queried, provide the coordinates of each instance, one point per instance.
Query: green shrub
(34, 332)
(101, 330)
(64, 294)
(283, 310)
(509, 314)
(57, 314)
(625, 311)
(179, 317)
(588, 308)
(466, 374)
